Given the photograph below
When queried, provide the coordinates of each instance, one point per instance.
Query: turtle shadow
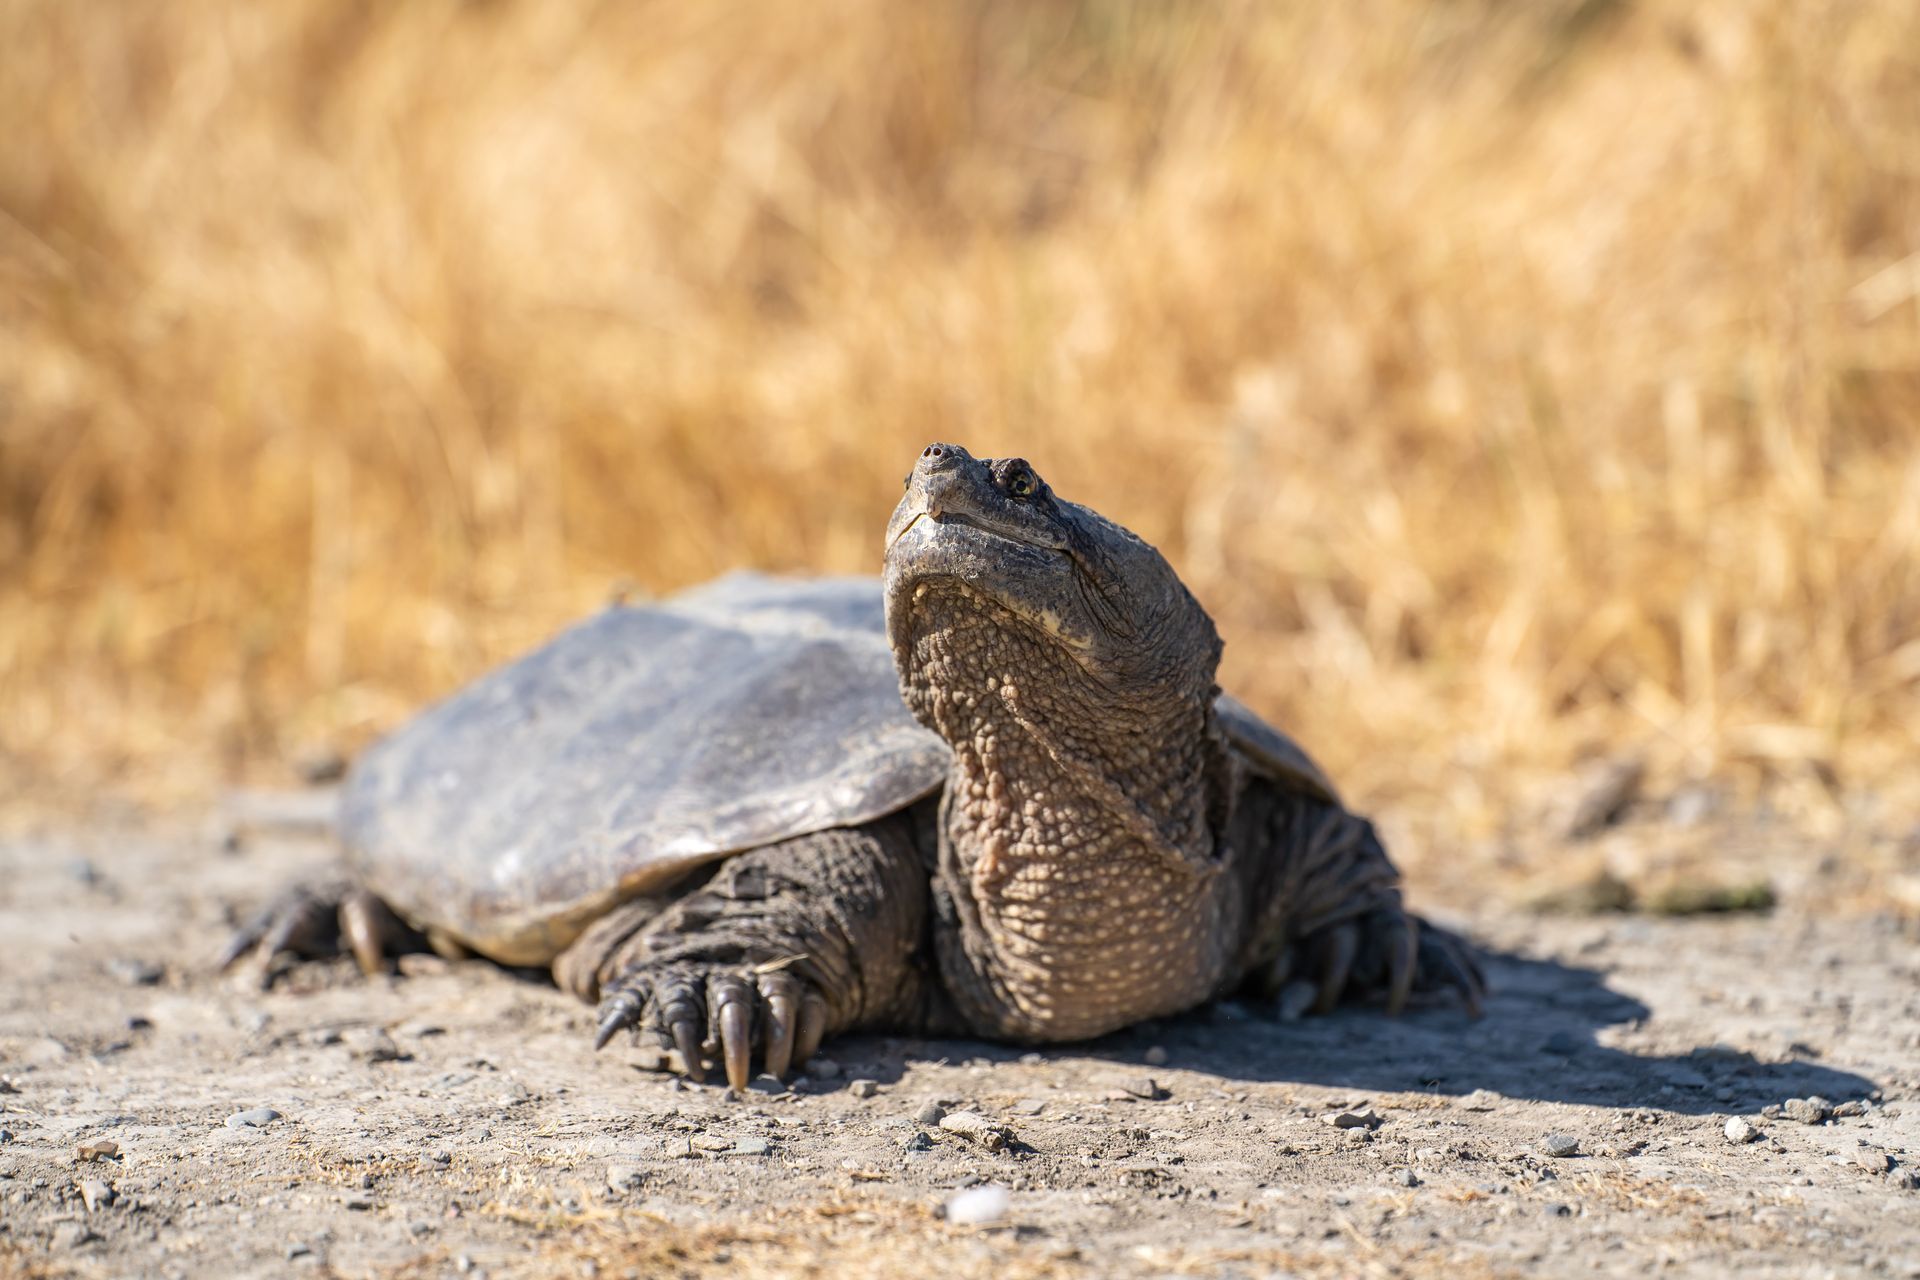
(1537, 1042)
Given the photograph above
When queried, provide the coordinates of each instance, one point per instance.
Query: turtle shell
(645, 741)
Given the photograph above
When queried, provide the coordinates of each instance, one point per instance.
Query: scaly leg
(786, 945)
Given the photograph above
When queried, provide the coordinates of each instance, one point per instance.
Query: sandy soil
(453, 1122)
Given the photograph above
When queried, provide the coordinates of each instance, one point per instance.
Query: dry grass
(1513, 381)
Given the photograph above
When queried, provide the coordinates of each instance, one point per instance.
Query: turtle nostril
(933, 451)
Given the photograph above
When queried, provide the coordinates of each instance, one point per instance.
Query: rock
(1600, 794)
(1563, 1044)
(978, 1206)
(370, 1044)
(623, 1176)
(770, 1086)
(1479, 1100)
(1145, 1087)
(6, 1136)
(298, 1250)
(863, 1088)
(1156, 1056)
(930, 1112)
(1813, 1110)
(74, 1234)
(441, 1158)
(1906, 1179)
(1854, 1108)
(135, 973)
(919, 1142)
(1295, 999)
(357, 1203)
(95, 1193)
(1738, 1130)
(752, 1147)
(1029, 1106)
(317, 764)
(1364, 1119)
(1560, 1145)
(823, 1069)
(1406, 1177)
(1873, 1160)
(1559, 1211)
(87, 1152)
(976, 1128)
(257, 1118)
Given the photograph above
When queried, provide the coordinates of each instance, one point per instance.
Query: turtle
(997, 792)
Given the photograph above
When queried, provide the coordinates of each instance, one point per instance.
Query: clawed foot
(310, 924)
(1388, 956)
(732, 1014)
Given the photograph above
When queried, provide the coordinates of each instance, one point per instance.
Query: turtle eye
(1020, 484)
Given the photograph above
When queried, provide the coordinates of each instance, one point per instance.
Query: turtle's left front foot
(311, 923)
(1388, 956)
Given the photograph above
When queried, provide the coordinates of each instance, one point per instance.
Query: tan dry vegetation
(1515, 382)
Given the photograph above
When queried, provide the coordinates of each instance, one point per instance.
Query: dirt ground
(453, 1122)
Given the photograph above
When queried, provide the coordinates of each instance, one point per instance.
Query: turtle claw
(1388, 956)
(310, 924)
(729, 1015)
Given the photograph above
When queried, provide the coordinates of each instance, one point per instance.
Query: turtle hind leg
(313, 922)
(786, 945)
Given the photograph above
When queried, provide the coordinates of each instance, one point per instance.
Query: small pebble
(1406, 1177)
(1143, 1087)
(6, 1136)
(1156, 1056)
(1560, 1145)
(1854, 1108)
(257, 1118)
(135, 973)
(102, 1150)
(1814, 1110)
(930, 1112)
(440, 1157)
(977, 1206)
(919, 1142)
(976, 1128)
(95, 1193)
(771, 1086)
(1873, 1160)
(1907, 1179)
(359, 1204)
(624, 1177)
(1479, 1100)
(1029, 1106)
(74, 1234)
(370, 1044)
(1559, 1211)
(823, 1069)
(1366, 1119)
(463, 1264)
(1739, 1130)
(752, 1147)
(863, 1088)
(297, 1250)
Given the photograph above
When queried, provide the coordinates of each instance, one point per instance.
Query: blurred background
(1531, 390)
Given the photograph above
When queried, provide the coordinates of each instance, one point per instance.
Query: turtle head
(984, 545)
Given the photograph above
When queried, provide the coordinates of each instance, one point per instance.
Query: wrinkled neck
(1077, 845)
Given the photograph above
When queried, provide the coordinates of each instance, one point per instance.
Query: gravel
(863, 1088)
(1738, 1130)
(930, 1112)
(1873, 1160)
(1560, 1145)
(978, 1206)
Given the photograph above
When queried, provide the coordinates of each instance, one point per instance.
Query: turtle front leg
(1328, 923)
(311, 922)
(785, 946)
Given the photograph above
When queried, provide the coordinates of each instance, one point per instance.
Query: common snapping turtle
(997, 793)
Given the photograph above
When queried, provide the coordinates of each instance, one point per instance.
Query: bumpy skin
(1101, 851)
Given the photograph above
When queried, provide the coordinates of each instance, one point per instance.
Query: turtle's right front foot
(310, 924)
(728, 1013)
